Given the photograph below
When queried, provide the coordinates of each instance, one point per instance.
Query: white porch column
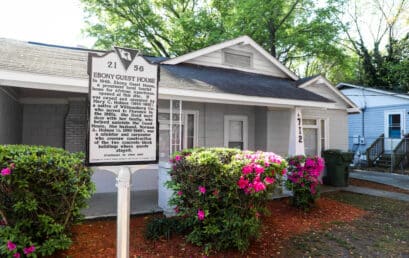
(296, 141)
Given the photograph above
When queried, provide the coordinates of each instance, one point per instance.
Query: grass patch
(383, 232)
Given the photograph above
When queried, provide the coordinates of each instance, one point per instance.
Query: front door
(394, 128)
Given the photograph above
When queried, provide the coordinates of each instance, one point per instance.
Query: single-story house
(232, 94)
(381, 126)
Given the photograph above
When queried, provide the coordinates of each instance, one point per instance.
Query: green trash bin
(337, 164)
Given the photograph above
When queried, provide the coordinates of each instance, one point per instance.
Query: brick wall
(76, 126)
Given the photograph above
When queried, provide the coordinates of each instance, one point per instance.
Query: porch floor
(105, 204)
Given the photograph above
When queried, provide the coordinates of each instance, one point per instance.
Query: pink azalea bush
(220, 194)
(303, 178)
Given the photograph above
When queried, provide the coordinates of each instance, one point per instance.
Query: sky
(47, 21)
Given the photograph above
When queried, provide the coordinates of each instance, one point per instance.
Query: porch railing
(376, 149)
(400, 153)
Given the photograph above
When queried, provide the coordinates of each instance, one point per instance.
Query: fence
(389, 155)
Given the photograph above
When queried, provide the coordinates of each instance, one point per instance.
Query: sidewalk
(397, 180)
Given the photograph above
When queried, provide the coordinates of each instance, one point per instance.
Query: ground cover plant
(382, 232)
(42, 190)
(221, 194)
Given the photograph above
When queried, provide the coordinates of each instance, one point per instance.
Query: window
(394, 126)
(236, 132)
(184, 132)
(240, 59)
(315, 136)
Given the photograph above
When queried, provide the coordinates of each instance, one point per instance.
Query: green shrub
(158, 227)
(304, 175)
(42, 190)
(221, 193)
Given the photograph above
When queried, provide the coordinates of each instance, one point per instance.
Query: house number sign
(123, 98)
(299, 127)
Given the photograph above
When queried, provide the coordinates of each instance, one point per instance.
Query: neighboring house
(232, 94)
(381, 126)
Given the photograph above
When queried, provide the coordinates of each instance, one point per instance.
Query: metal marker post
(123, 212)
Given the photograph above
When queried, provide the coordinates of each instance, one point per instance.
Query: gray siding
(260, 63)
(260, 128)
(278, 135)
(10, 119)
(211, 121)
(337, 123)
(214, 123)
(43, 124)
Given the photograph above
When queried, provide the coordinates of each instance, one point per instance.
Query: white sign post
(123, 124)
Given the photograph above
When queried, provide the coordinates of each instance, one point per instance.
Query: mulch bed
(369, 184)
(98, 238)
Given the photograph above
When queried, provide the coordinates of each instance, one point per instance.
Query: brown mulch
(369, 184)
(98, 238)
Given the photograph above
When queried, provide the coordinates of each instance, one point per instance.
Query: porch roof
(50, 67)
(232, 81)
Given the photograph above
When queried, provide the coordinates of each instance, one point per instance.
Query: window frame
(400, 112)
(242, 118)
(319, 132)
(185, 113)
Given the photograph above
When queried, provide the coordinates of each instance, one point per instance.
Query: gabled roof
(319, 78)
(242, 83)
(343, 85)
(237, 41)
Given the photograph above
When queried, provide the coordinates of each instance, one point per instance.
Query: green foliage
(40, 197)
(221, 211)
(158, 227)
(296, 32)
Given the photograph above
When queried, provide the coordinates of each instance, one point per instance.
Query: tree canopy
(329, 37)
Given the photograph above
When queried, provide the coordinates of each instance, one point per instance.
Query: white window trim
(185, 113)
(318, 127)
(400, 112)
(244, 119)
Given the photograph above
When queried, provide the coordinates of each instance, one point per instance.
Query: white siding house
(232, 94)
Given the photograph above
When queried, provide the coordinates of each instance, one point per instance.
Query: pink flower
(177, 209)
(269, 180)
(180, 193)
(178, 158)
(259, 169)
(16, 255)
(5, 171)
(29, 250)
(242, 183)
(12, 165)
(284, 171)
(202, 189)
(258, 186)
(247, 169)
(200, 215)
(11, 246)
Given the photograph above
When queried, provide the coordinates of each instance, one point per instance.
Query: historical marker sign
(123, 96)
